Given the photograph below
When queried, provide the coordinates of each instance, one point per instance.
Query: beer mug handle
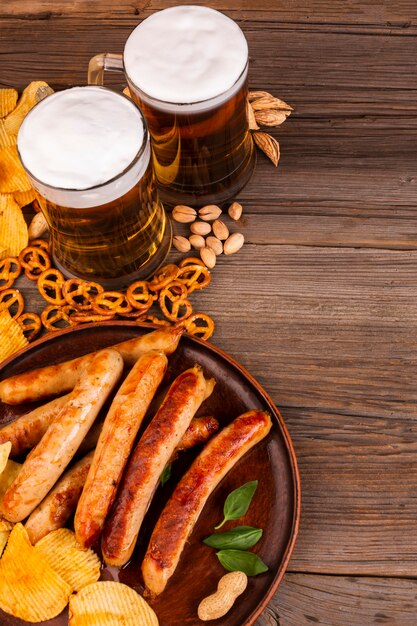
(101, 63)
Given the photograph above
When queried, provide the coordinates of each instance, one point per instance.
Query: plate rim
(276, 414)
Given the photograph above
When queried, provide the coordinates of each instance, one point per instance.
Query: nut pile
(75, 301)
(209, 234)
(263, 109)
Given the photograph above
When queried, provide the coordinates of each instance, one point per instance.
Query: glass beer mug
(187, 69)
(87, 151)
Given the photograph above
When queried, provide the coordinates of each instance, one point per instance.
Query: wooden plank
(305, 600)
(356, 13)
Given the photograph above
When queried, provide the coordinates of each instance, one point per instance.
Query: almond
(250, 114)
(269, 102)
(200, 228)
(268, 144)
(210, 212)
(255, 95)
(233, 244)
(184, 214)
(215, 244)
(270, 117)
(197, 241)
(235, 211)
(208, 257)
(220, 230)
(181, 243)
(38, 226)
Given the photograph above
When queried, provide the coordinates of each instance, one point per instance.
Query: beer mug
(86, 151)
(187, 69)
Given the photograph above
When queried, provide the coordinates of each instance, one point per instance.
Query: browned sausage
(27, 431)
(148, 461)
(200, 429)
(61, 441)
(115, 445)
(186, 503)
(58, 379)
(54, 511)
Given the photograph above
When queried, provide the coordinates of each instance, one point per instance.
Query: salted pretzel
(56, 317)
(50, 284)
(138, 296)
(34, 260)
(80, 293)
(111, 302)
(31, 325)
(163, 277)
(194, 276)
(12, 299)
(10, 269)
(203, 331)
(173, 303)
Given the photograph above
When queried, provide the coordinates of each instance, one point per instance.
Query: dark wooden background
(321, 303)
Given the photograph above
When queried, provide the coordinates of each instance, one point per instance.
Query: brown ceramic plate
(275, 507)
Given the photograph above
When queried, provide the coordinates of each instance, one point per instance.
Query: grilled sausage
(53, 512)
(115, 445)
(200, 429)
(57, 447)
(58, 379)
(180, 514)
(148, 461)
(27, 430)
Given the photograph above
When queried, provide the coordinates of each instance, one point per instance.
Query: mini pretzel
(176, 303)
(111, 302)
(40, 243)
(34, 260)
(139, 297)
(31, 324)
(86, 317)
(55, 318)
(79, 293)
(12, 299)
(194, 276)
(152, 319)
(10, 269)
(163, 277)
(204, 331)
(50, 284)
(191, 260)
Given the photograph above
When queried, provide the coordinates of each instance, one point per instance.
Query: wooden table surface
(321, 303)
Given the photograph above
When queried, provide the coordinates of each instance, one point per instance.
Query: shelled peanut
(208, 232)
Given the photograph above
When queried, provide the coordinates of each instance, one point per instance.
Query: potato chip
(108, 603)
(29, 587)
(8, 99)
(7, 477)
(12, 337)
(4, 454)
(12, 175)
(33, 93)
(5, 529)
(6, 139)
(76, 566)
(13, 228)
(24, 198)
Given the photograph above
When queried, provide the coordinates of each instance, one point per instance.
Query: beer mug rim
(144, 149)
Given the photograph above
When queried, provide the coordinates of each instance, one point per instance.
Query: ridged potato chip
(22, 198)
(109, 603)
(4, 454)
(33, 93)
(12, 337)
(76, 566)
(5, 529)
(12, 175)
(7, 477)
(6, 139)
(29, 587)
(8, 99)
(13, 228)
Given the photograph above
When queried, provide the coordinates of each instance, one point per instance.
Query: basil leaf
(166, 474)
(238, 561)
(239, 538)
(238, 502)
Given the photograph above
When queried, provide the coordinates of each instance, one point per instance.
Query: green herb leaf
(239, 538)
(238, 502)
(238, 561)
(166, 474)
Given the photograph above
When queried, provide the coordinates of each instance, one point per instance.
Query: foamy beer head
(84, 146)
(87, 153)
(186, 55)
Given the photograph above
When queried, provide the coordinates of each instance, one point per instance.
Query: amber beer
(187, 67)
(87, 153)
